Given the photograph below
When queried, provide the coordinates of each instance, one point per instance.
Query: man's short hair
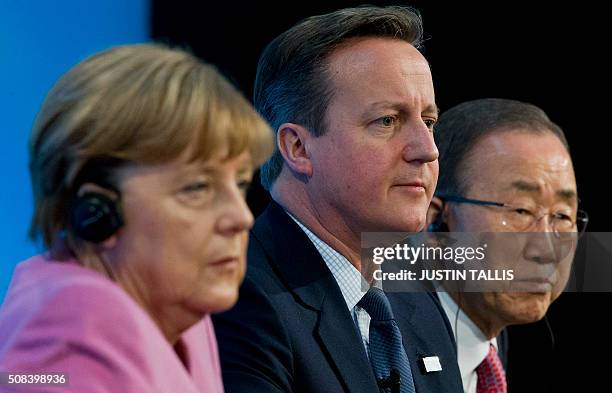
(292, 82)
(461, 127)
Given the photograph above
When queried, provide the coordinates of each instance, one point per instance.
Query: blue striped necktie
(387, 354)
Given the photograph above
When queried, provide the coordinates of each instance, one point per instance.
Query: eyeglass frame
(480, 202)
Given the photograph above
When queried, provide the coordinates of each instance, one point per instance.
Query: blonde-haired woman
(140, 158)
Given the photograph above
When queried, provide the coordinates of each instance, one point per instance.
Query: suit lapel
(342, 341)
(292, 256)
(301, 268)
(416, 348)
(417, 341)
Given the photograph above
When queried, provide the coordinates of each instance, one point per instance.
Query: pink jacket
(61, 317)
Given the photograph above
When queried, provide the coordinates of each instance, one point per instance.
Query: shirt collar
(472, 344)
(349, 279)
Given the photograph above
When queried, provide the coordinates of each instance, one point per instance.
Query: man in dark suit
(504, 167)
(352, 102)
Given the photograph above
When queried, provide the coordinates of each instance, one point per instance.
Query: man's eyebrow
(522, 185)
(567, 194)
(431, 108)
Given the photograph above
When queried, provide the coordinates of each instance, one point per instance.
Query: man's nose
(544, 223)
(542, 246)
(420, 145)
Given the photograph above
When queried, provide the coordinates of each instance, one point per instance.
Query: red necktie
(491, 374)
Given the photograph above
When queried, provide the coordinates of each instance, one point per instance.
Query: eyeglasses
(522, 219)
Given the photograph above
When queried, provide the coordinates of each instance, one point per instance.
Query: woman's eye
(196, 187)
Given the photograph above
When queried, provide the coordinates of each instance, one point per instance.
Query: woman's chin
(220, 302)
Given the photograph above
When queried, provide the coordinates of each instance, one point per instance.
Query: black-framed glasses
(522, 219)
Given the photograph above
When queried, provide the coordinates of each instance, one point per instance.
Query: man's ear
(89, 187)
(292, 140)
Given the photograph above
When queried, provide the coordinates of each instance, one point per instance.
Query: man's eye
(522, 211)
(562, 217)
(244, 185)
(430, 123)
(387, 121)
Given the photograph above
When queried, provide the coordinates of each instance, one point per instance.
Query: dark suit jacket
(291, 330)
(502, 348)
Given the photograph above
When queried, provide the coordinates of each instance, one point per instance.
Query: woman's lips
(225, 261)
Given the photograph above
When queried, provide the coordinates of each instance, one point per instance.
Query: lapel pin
(431, 364)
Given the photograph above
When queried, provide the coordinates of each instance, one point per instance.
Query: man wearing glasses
(504, 167)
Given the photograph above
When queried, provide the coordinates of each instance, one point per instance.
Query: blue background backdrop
(39, 41)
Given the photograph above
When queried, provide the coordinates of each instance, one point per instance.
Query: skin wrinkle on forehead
(549, 168)
(341, 78)
(540, 189)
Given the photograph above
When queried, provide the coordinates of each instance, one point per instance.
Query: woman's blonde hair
(144, 104)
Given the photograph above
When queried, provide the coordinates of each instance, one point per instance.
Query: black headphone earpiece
(95, 217)
(438, 225)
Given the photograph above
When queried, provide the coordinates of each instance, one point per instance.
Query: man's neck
(336, 235)
(490, 326)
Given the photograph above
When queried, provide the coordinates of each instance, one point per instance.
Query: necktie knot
(376, 304)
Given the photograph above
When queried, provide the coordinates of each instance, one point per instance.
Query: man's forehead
(364, 53)
(377, 70)
(522, 162)
(538, 187)
(524, 148)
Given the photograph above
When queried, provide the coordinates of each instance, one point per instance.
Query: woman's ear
(292, 140)
(93, 188)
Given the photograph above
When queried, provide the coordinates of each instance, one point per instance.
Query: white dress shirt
(472, 344)
(349, 279)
